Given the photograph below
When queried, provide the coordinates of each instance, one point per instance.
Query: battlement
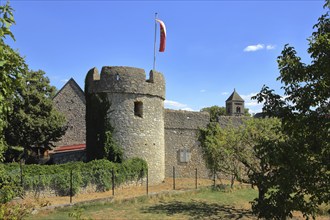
(179, 119)
(121, 79)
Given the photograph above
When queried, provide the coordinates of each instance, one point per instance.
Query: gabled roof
(235, 97)
(73, 83)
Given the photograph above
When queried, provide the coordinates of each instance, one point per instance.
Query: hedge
(96, 173)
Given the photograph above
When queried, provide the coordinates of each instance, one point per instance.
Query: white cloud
(64, 80)
(176, 105)
(202, 90)
(224, 93)
(252, 105)
(252, 48)
(270, 47)
(188, 109)
(169, 103)
(255, 111)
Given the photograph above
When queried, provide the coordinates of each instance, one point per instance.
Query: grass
(203, 204)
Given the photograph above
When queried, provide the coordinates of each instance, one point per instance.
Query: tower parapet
(120, 79)
(136, 113)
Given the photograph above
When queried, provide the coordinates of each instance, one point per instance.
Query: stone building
(141, 126)
(235, 105)
(70, 100)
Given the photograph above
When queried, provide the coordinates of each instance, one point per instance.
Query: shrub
(97, 173)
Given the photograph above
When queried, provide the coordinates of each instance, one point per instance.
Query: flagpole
(154, 67)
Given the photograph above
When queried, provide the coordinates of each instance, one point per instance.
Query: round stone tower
(136, 112)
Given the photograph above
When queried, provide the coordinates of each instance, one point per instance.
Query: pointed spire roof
(235, 97)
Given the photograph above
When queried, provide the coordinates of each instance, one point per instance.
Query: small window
(138, 109)
(238, 109)
(184, 155)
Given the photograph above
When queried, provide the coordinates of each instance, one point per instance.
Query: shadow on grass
(199, 210)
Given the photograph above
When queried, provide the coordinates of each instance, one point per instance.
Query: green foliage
(215, 111)
(246, 112)
(34, 122)
(12, 67)
(296, 172)
(13, 154)
(95, 173)
(113, 152)
(253, 132)
(9, 186)
(6, 21)
(100, 143)
(218, 147)
(10, 211)
(77, 214)
(231, 150)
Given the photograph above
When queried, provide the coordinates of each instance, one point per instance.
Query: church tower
(235, 105)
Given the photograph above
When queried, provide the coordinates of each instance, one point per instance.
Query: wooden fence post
(173, 177)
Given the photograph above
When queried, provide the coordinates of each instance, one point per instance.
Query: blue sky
(212, 46)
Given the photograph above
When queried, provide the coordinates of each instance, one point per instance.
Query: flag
(162, 35)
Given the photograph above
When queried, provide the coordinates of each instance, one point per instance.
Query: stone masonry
(136, 113)
(70, 101)
(142, 127)
(181, 139)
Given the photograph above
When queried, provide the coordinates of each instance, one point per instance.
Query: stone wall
(70, 101)
(182, 148)
(140, 135)
(69, 156)
(234, 120)
(164, 138)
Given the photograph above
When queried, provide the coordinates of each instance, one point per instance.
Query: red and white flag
(162, 35)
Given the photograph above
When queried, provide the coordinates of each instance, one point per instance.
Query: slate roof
(235, 97)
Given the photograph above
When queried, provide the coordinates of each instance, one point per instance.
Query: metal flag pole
(154, 67)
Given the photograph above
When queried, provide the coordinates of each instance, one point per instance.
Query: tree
(251, 133)
(12, 66)
(34, 123)
(230, 150)
(216, 111)
(218, 148)
(246, 112)
(298, 169)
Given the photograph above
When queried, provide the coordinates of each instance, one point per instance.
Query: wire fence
(72, 183)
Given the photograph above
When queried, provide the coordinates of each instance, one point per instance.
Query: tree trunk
(232, 181)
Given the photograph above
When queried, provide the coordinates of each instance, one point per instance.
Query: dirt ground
(127, 192)
(122, 192)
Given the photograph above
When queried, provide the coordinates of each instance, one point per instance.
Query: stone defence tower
(235, 105)
(136, 112)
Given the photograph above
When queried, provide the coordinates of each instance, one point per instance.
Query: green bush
(14, 211)
(97, 173)
(9, 185)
